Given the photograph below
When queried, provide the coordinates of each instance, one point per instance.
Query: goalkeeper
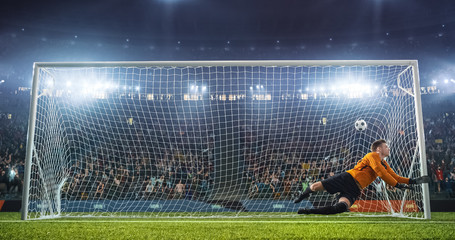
(350, 183)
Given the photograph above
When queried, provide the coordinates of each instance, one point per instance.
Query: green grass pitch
(441, 226)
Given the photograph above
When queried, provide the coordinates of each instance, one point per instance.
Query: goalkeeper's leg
(343, 205)
(315, 187)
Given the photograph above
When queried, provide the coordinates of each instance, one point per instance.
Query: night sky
(116, 30)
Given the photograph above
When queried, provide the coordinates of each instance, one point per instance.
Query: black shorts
(343, 183)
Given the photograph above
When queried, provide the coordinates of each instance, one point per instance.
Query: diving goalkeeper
(350, 183)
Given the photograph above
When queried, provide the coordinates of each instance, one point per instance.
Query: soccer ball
(360, 125)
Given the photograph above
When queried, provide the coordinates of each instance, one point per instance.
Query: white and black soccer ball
(360, 125)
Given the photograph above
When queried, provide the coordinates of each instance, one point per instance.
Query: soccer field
(441, 226)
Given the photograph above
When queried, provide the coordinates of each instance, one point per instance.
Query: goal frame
(411, 63)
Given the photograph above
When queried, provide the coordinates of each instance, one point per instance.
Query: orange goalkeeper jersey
(370, 167)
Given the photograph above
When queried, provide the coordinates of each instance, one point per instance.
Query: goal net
(236, 138)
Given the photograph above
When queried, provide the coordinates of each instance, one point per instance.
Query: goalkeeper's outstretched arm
(419, 180)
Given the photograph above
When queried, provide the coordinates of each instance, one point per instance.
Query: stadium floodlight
(49, 83)
(125, 155)
(204, 88)
(446, 81)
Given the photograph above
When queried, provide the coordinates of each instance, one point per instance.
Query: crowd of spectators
(174, 175)
(13, 134)
(155, 160)
(179, 163)
(440, 145)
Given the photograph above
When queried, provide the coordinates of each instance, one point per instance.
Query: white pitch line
(227, 221)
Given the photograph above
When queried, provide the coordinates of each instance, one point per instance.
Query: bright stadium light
(446, 81)
(85, 91)
(257, 86)
(356, 88)
(204, 88)
(68, 84)
(192, 87)
(452, 80)
(138, 88)
(434, 82)
(251, 88)
(50, 83)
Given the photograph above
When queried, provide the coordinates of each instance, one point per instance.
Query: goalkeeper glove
(402, 186)
(419, 180)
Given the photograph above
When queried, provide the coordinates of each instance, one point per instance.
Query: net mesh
(216, 140)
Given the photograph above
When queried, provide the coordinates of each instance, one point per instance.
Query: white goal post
(217, 138)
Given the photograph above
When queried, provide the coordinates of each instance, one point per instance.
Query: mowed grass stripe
(233, 221)
(441, 226)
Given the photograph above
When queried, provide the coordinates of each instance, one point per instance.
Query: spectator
(452, 175)
(439, 177)
(99, 190)
(254, 189)
(448, 187)
(179, 190)
(149, 189)
(15, 182)
(4, 182)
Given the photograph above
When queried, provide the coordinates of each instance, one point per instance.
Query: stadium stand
(276, 172)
